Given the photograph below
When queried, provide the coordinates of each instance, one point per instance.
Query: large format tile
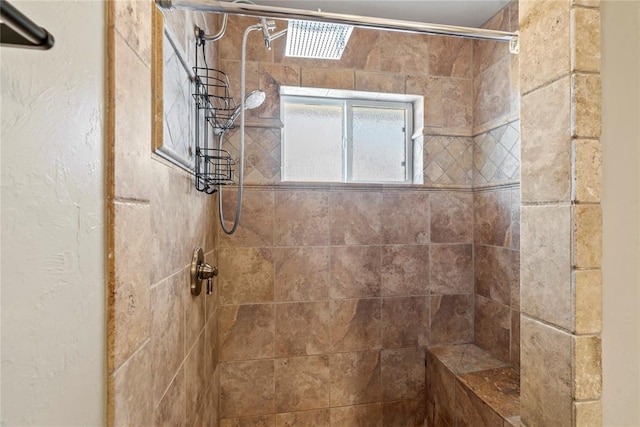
(301, 273)
(498, 388)
(405, 413)
(451, 217)
(403, 374)
(272, 76)
(257, 219)
(354, 271)
(355, 378)
(405, 322)
(179, 215)
(355, 218)
(493, 327)
(371, 81)
(246, 275)
(431, 89)
(545, 288)
(405, 270)
(230, 44)
(546, 142)
(131, 301)
(247, 388)
(471, 411)
(487, 53)
(194, 309)
(355, 324)
(440, 389)
(246, 331)
(457, 103)
(495, 272)
(132, 382)
(133, 23)
(545, 47)
(492, 217)
(302, 383)
(291, 339)
(357, 416)
(195, 380)
(450, 56)
(167, 333)
(328, 78)
(211, 347)
(465, 358)
(451, 269)
(405, 217)
(492, 93)
(545, 375)
(404, 53)
(171, 410)
(302, 218)
(451, 319)
(132, 121)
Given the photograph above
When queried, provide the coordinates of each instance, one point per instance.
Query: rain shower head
(320, 40)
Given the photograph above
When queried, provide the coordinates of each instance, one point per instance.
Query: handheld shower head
(254, 99)
(251, 101)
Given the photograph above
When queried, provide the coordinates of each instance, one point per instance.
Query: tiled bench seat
(466, 386)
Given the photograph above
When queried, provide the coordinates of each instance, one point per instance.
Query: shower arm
(336, 18)
(266, 27)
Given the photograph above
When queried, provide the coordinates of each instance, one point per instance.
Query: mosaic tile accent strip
(496, 155)
(448, 161)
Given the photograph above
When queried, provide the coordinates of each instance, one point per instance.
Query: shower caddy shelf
(213, 166)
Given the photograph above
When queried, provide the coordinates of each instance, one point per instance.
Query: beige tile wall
(561, 214)
(440, 68)
(373, 274)
(330, 295)
(162, 352)
(496, 179)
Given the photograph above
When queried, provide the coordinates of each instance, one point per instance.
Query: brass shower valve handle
(200, 271)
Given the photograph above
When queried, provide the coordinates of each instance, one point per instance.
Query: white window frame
(348, 99)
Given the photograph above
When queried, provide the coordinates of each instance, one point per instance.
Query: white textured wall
(621, 211)
(52, 215)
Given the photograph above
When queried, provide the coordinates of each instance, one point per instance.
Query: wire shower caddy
(213, 165)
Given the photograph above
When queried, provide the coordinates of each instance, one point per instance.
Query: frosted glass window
(345, 140)
(313, 142)
(378, 151)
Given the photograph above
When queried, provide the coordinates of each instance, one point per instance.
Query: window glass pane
(312, 142)
(378, 146)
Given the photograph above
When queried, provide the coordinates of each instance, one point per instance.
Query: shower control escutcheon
(200, 271)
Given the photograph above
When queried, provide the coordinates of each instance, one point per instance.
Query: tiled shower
(328, 295)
